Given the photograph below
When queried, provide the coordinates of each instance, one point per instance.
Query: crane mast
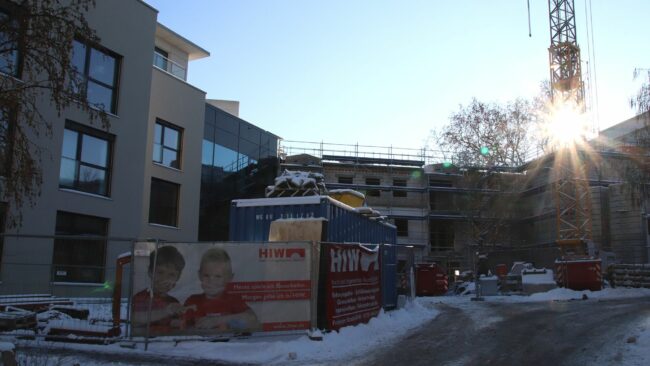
(572, 196)
(564, 54)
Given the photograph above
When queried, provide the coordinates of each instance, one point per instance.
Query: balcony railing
(169, 66)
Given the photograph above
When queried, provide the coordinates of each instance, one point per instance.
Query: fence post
(153, 279)
(129, 302)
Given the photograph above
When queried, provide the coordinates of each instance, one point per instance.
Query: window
(441, 235)
(345, 180)
(9, 60)
(85, 159)
(97, 74)
(5, 142)
(79, 260)
(163, 202)
(399, 183)
(372, 182)
(160, 57)
(439, 183)
(3, 212)
(167, 145)
(402, 227)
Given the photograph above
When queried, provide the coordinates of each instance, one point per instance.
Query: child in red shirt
(165, 309)
(216, 307)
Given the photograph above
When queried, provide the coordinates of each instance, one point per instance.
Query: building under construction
(451, 213)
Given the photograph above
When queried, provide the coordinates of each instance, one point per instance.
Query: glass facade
(239, 160)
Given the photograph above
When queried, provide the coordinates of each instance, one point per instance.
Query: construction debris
(297, 184)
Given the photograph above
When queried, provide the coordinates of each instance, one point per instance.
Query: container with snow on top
(250, 219)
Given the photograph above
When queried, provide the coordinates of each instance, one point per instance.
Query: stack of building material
(537, 280)
(297, 184)
(630, 275)
(14, 318)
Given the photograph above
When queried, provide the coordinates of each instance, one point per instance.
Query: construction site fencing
(76, 276)
(209, 289)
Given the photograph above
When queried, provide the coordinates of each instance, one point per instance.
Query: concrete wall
(182, 105)
(126, 27)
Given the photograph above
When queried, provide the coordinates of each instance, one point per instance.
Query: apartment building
(138, 179)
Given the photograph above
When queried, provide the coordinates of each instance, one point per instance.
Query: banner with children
(215, 288)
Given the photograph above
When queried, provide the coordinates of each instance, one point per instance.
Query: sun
(565, 126)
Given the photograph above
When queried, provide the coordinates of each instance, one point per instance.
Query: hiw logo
(292, 254)
(349, 260)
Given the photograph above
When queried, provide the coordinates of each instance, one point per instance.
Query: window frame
(345, 177)
(86, 78)
(401, 233)
(82, 130)
(18, 58)
(165, 56)
(179, 152)
(60, 242)
(402, 183)
(373, 192)
(175, 224)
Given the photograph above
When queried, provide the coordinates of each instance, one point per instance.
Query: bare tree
(36, 38)
(488, 135)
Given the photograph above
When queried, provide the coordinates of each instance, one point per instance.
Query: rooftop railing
(169, 66)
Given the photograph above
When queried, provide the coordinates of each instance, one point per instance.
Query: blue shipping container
(250, 219)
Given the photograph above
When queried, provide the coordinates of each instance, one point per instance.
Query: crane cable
(592, 55)
(530, 33)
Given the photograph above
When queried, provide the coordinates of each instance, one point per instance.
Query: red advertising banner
(353, 284)
(212, 288)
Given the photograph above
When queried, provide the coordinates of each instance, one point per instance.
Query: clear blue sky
(386, 72)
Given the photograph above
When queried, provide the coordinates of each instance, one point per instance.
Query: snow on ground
(353, 343)
(349, 343)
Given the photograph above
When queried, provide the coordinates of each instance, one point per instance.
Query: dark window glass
(97, 72)
(3, 212)
(345, 180)
(5, 142)
(402, 226)
(208, 153)
(163, 203)
(226, 158)
(399, 183)
(167, 145)
(79, 260)
(441, 235)
(8, 47)
(85, 159)
(439, 183)
(160, 58)
(372, 182)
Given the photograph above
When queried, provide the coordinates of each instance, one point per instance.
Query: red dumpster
(501, 270)
(430, 280)
(579, 274)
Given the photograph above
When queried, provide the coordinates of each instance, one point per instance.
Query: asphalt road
(551, 333)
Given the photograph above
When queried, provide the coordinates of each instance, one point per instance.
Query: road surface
(551, 333)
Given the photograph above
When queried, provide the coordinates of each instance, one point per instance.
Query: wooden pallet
(35, 302)
(14, 319)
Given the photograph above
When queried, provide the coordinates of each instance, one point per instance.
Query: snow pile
(537, 277)
(6, 347)
(297, 183)
(346, 344)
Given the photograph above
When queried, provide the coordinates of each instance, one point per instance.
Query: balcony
(169, 66)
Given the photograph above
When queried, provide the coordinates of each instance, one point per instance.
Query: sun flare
(566, 125)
